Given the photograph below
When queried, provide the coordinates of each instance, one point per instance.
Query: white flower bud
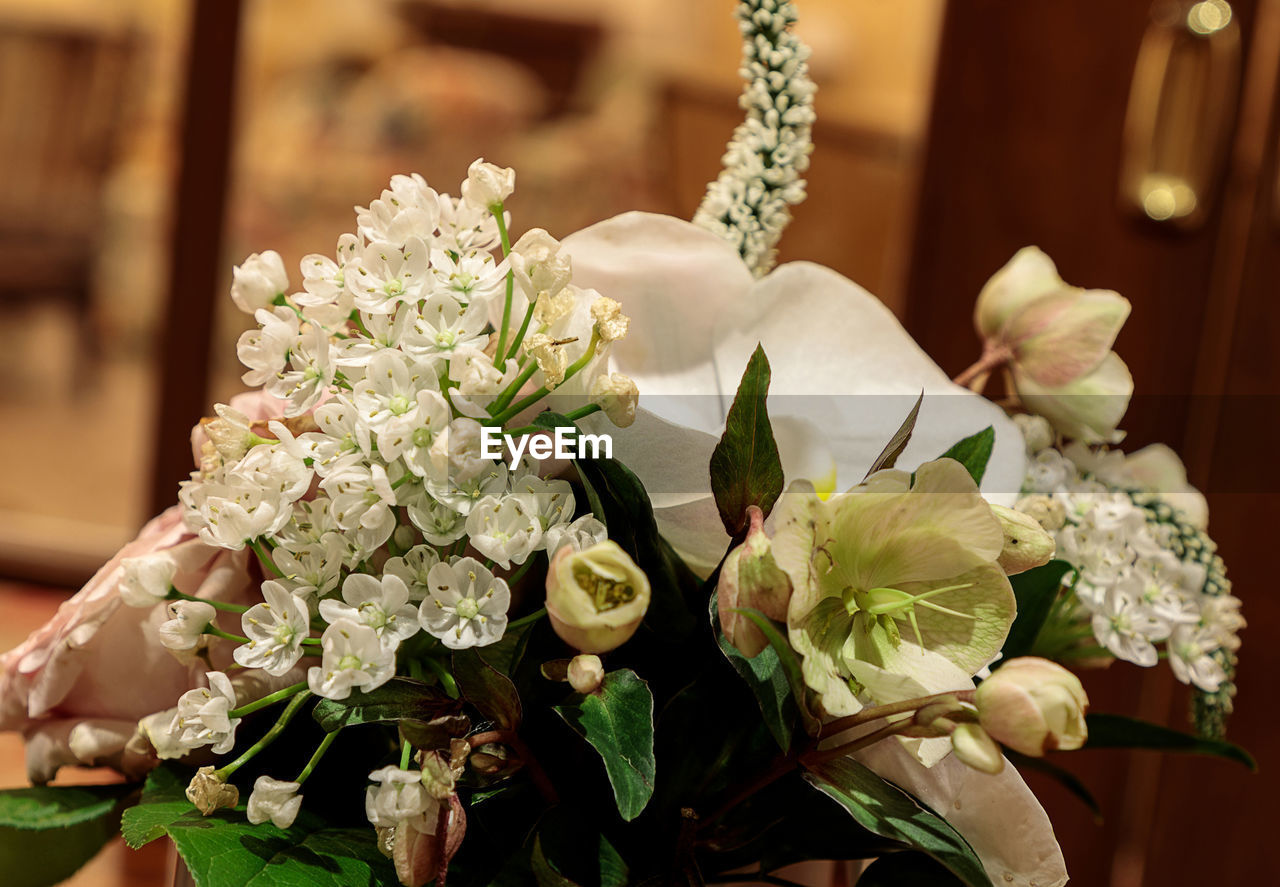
(488, 185)
(538, 265)
(751, 577)
(1026, 544)
(257, 281)
(1036, 432)
(585, 673)
(190, 619)
(145, 581)
(1047, 511)
(399, 795)
(617, 396)
(550, 355)
(974, 747)
(210, 791)
(275, 800)
(596, 598)
(1033, 706)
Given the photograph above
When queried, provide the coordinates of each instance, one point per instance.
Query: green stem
(442, 673)
(893, 708)
(508, 413)
(270, 699)
(260, 550)
(572, 416)
(524, 328)
(497, 211)
(500, 403)
(355, 318)
(315, 758)
(840, 751)
(269, 737)
(219, 633)
(406, 752)
(526, 620)
(175, 595)
(520, 571)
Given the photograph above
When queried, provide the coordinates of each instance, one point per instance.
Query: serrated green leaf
(893, 449)
(397, 699)
(47, 833)
(46, 807)
(488, 689)
(974, 452)
(1118, 731)
(1035, 591)
(618, 498)
(225, 849)
(886, 810)
(618, 722)
(745, 466)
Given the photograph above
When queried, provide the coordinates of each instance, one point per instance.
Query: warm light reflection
(1209, 16)
(1167, 197)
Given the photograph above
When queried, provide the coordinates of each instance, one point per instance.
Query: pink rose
(77, 687)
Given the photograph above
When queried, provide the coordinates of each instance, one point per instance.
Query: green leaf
(974, 452)
(397, 699)
(893, 449)
(907, 870)
(745, 466)
(1065, 778)
(569, 853)
(47, 833)
(1035, 591)
(225, 849)
(618, 498)
(486, 688)
(46, 807)
(618, 722)
(773, 675)
(1118, 731)
(888, 811)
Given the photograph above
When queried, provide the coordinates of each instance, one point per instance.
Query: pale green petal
(968, 643)
(1028, 276)
(1088, 409)
(892, 672)
(820, 638)
(1061, 338)
(798, 519)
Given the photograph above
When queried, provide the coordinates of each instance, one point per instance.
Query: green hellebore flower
(898, 592)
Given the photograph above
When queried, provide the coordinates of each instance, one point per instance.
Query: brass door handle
(1182, 106)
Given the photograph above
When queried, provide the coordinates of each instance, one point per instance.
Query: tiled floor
(22, 609)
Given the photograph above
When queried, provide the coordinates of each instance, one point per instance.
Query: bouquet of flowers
(442, 602)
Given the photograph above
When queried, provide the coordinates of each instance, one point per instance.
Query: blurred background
(149, 145)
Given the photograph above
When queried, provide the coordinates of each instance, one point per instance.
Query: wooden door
(1027, 146)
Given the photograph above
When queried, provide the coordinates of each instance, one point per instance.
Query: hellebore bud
(1026, 544)
(1033, 706)
(597, 597)
(751, 577)
(975, 748)
(585, 673)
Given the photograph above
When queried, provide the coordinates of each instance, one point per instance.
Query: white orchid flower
(844, 372)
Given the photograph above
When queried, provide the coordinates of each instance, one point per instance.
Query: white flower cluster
(749, 203)
(370, 502)
(1138, 579)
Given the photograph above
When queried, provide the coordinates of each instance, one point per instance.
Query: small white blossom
(202, 715)
(505, 530)
(443, 326)
(274, 800)
(382, 604)
(323, 277)
(539, 265)
(145, 581)
(362, 498)
(439, 523)
(342, 433)
(408, 208)
(466, 605)
(470, 278)
(488, 185)
(258, 280)
(265, 351)
(1190, 647)
(311, 569)
(465, 227)
(353, 657)
(276, 629)
(581, 534)
(398, 795)
(413, 569)
(309, 374)
(189, 620)
(1126, 627)
(386, 275)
